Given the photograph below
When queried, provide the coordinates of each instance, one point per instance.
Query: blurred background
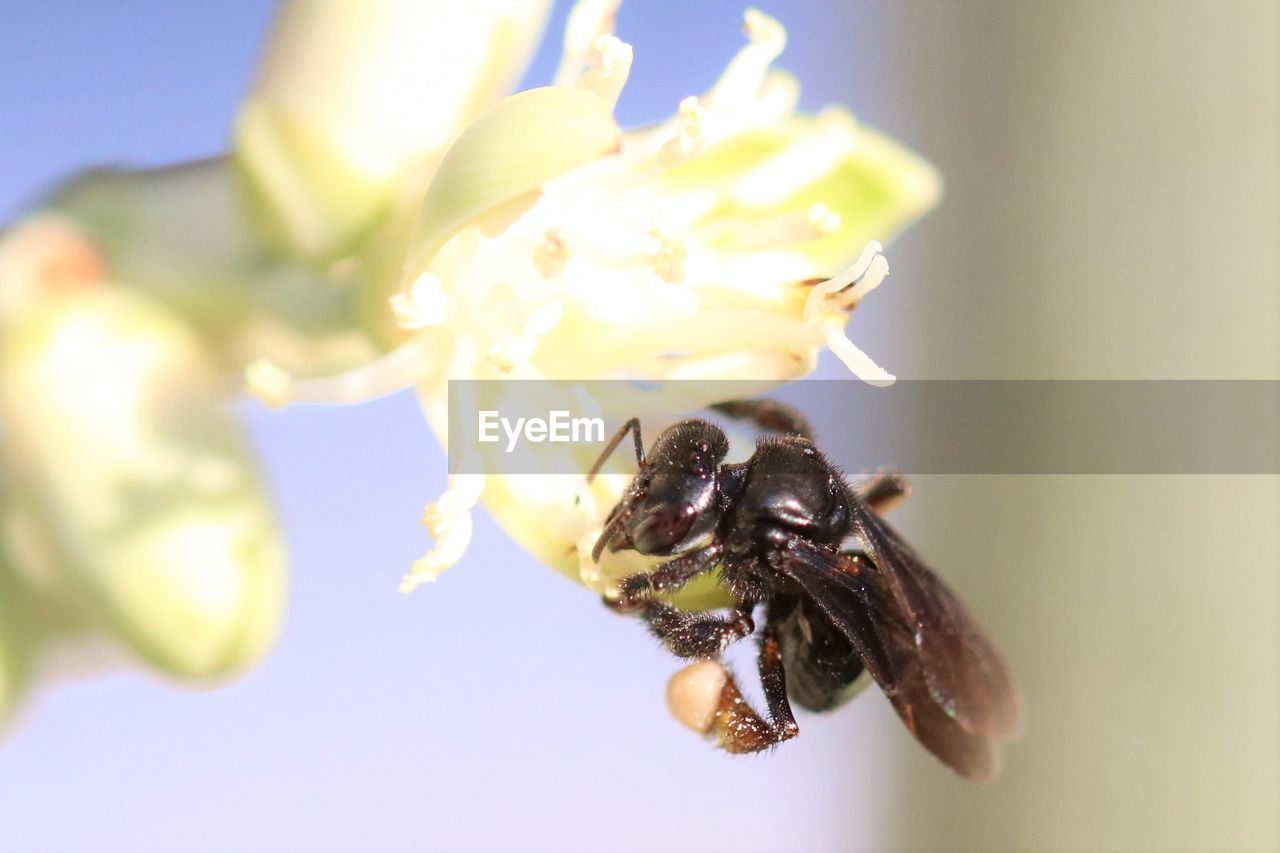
(1111, 212)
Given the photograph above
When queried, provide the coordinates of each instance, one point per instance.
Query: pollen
(694, 694)
(690, 139)
(425, 305)
(449, 522)
(608, 74)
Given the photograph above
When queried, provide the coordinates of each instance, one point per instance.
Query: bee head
(671, 506)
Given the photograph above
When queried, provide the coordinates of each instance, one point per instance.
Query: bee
(841, 593)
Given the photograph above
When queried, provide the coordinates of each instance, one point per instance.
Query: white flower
(130, 510)
(730, 242)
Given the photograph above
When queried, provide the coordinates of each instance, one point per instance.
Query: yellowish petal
(17, 637)
(124, 451)
(509, 153)
(356, 96)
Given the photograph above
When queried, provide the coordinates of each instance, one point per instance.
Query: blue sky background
(499, 709)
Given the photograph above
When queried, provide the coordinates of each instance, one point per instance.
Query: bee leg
(773, 678)
(697, 635)
(883, 491)
(737, 726)
(634, 590)
(768, 416)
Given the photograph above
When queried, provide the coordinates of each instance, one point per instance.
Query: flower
(130, 511)
(731, 241)
(385, 220)
(354, 100)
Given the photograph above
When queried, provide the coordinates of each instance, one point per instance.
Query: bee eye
(661, 529)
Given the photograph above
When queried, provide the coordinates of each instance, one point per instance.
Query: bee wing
(858, 599)
(965, 673)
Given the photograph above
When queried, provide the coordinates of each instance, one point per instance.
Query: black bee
(842, 593)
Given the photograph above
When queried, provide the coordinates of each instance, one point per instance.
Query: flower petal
(508, 153)
(16, 637)
(353, 97)
(818, 188)
(124, 452)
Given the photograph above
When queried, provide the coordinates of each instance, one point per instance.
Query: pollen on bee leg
(694, 694)
(269, 382)
(551, 255)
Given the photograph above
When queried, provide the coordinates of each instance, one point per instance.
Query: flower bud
(122, 450)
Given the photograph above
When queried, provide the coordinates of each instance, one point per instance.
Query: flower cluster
(387, 219)
(729, 242)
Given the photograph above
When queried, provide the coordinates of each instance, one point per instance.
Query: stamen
(515, 351)
(845, 277)
(588, 21)
(689, 140)
(449, 522)
(608, 74)
(551, 255)
(745, 74)
(402, 367)
(859, 363)
(425, 305)
(872, 279)
(864, 274)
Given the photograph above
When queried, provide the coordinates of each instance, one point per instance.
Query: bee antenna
(610, 532)
(632, 425)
